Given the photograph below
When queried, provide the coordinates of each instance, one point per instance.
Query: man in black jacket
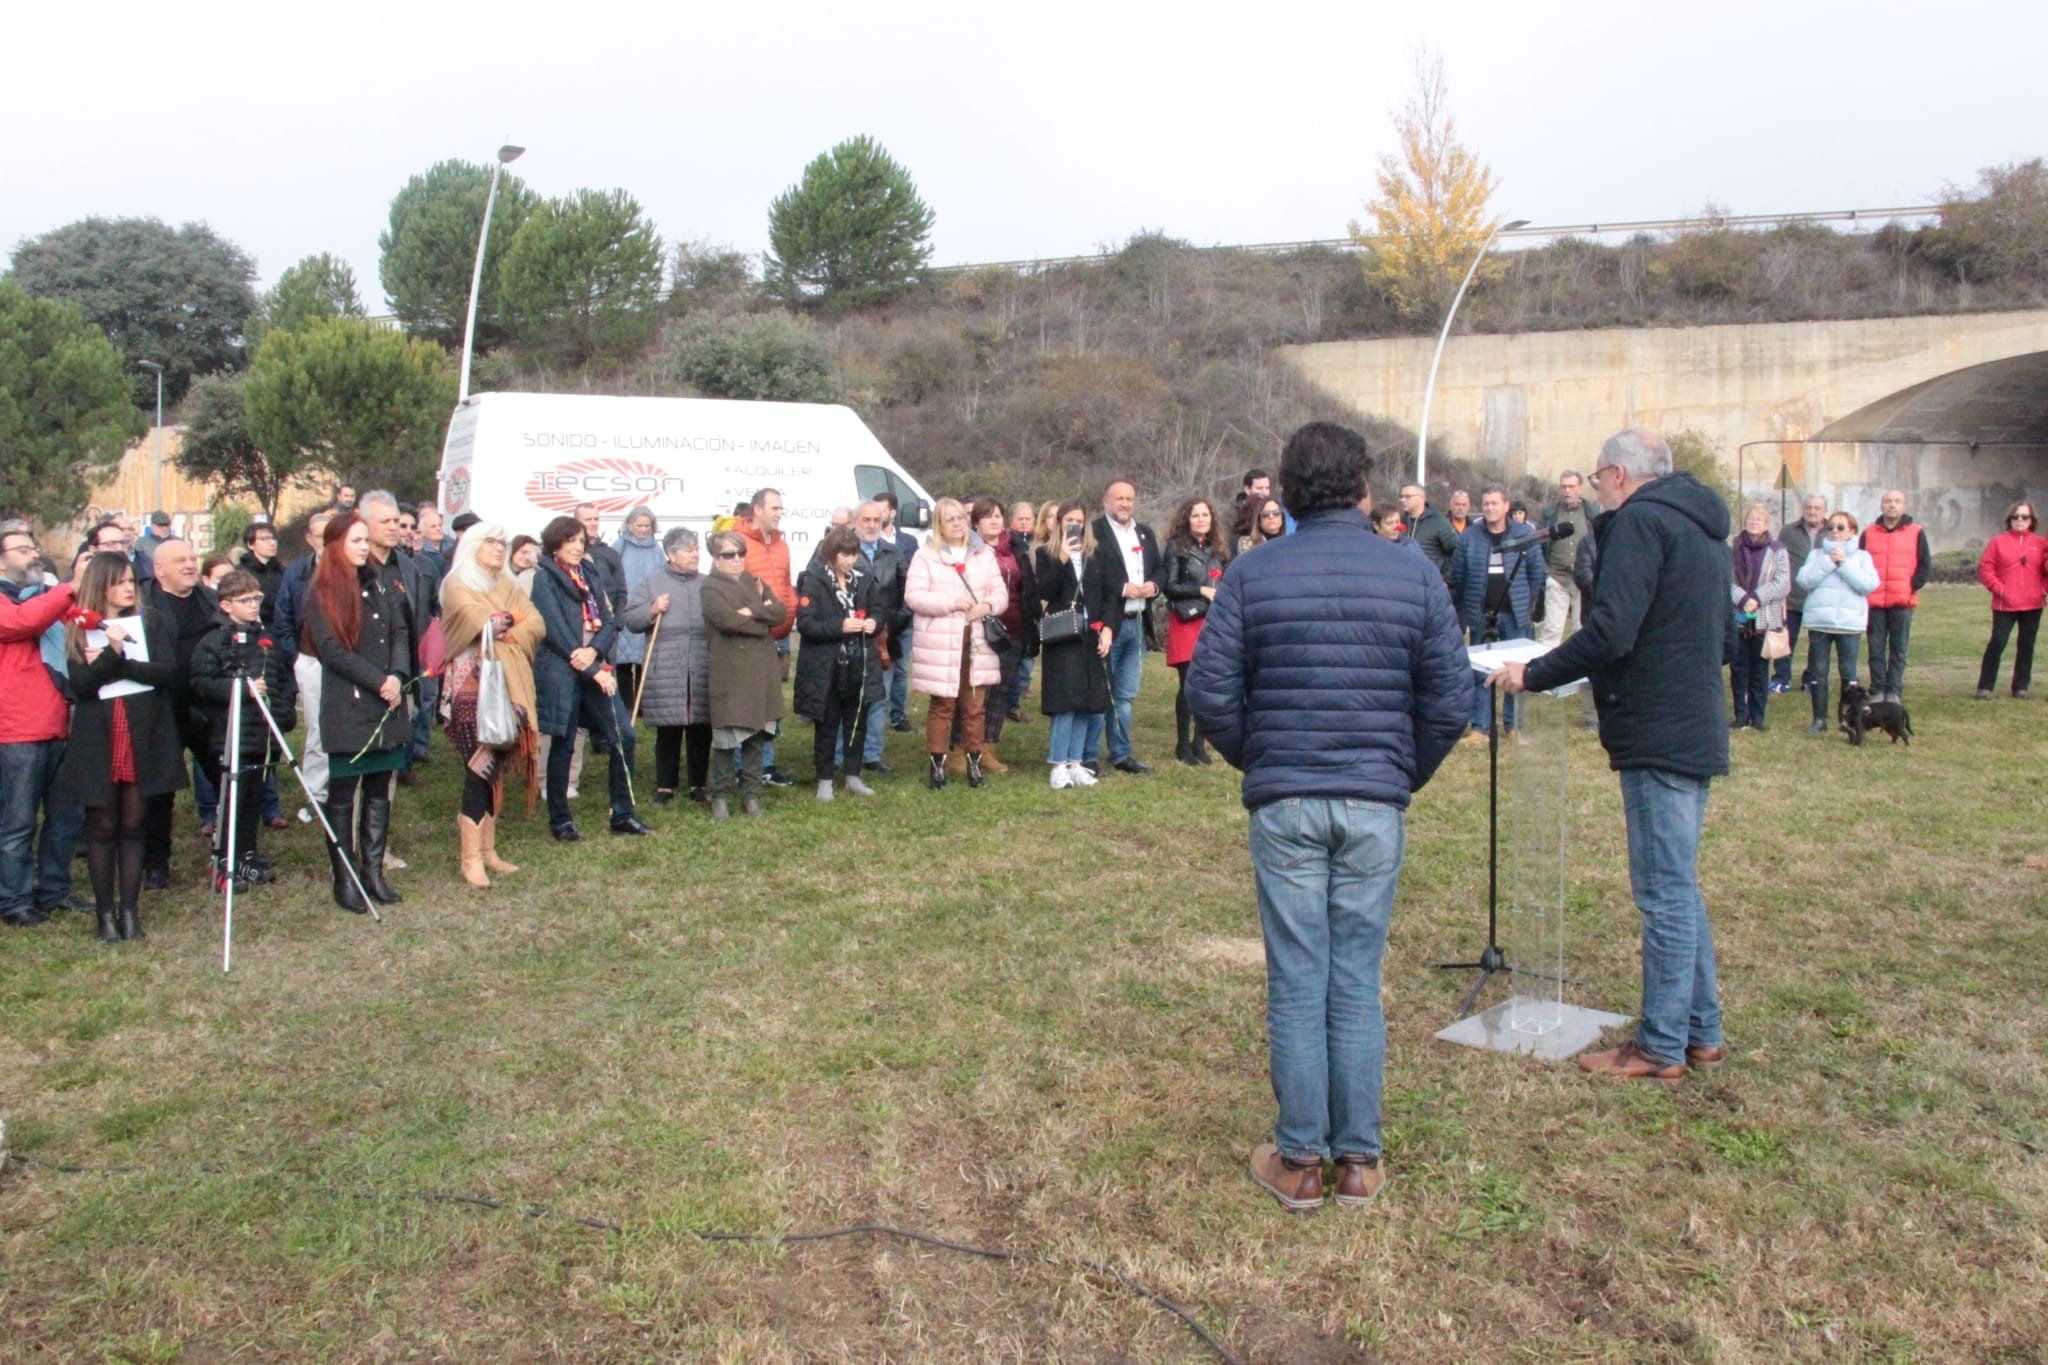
(1429, 528)
(193, 612)
(259, 557)
(1657, 636)
(885, 565)
(1134, 572)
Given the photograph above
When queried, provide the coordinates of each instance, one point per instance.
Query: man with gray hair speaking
(1658, 633)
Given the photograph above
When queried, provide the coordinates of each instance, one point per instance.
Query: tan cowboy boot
(493, 864)
(472, 837)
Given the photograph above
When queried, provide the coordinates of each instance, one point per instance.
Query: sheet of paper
(1486, 658)
(136, 647)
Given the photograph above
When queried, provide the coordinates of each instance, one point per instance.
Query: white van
(523, 459)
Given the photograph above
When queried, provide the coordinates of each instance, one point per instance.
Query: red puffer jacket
(1901, 555)
(2015, 569)
(35, 709)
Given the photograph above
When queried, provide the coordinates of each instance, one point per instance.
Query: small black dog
(1860, 715)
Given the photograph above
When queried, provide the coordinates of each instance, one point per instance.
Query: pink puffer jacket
(932, 591)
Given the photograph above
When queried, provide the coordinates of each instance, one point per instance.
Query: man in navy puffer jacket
(1331, 671)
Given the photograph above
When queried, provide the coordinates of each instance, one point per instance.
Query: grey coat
(678, 678)
(638, 562)
(1798, 543)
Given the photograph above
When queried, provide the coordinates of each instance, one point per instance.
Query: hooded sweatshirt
(1658, 631)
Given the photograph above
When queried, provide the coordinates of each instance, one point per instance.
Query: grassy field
(1032, 1020)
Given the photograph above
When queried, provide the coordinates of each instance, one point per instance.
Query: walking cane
(653, 639)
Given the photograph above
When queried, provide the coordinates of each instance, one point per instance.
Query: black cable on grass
(541, 1211)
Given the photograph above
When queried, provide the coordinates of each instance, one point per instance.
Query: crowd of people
(532, 652)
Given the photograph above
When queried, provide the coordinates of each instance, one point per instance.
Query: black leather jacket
(1189, 569)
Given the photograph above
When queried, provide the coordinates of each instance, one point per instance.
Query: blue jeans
(1890, 628)
(423, 715)
(1020, 683)
(1126, 667)
(1482, 700)
(1781, 671)
(1074, 733)
(1681, 989)
(598, 715)
(26, 771)
(203, 794)
(899, 679)
(767, 749)
(1325, 871)
(1820, 645)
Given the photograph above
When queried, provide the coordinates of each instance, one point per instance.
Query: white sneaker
(825, 790)
(856, 787)
(572, 793)
(1080, 776)
(1061, 777)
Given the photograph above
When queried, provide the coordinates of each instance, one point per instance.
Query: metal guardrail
(1733, 220)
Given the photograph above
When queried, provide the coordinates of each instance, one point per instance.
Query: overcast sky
(1033, 130)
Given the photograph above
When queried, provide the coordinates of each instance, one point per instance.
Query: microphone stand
(1492, 961)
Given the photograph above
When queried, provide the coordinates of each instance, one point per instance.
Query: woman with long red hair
(356, 627)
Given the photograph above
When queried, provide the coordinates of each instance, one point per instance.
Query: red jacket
(2015, 568)
(35, 709)
(768, 560)
(1902, 560)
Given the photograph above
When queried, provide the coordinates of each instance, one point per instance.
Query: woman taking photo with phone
(1196, 552)
(123, 748)
(1074, 640)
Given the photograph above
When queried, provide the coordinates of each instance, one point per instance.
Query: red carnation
(860, 613)
(264, 641)
(1215, 573)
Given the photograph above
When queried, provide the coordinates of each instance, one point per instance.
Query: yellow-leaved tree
(1431, 212)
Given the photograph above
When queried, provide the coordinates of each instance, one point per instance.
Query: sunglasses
(1841, 526)
(2020, 516)
(732, 554)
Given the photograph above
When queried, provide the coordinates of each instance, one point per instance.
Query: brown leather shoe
(991, 764)
(1706, 1056)
(1298, 1188)
(1630, 1063)
(1359, 1180)
(956, 762)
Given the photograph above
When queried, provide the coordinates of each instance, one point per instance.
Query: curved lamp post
(156, 461)
(1429, 389)
(507, 154)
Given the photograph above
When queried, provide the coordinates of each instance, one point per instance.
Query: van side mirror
(922, 511)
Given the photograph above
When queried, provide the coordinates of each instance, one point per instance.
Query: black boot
(341, 855)
(108, 933)
(974, 775)
(1819, 696)
(376, 831)
(1182, 749)
(1200, 747)
(938, 773)
(131, 930)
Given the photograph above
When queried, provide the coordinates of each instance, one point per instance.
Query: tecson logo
(611, 486)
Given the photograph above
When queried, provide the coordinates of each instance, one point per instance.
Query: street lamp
(1429, 389)
(156, 463)
(507, 154)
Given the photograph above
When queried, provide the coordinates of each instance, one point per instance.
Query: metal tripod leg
(319, 810)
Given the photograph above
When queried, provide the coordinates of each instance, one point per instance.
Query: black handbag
(993, 631)
(1069, 623)
(1190, 608)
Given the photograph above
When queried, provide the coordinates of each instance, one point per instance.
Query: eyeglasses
(28, 545)
(494, 540)
(115, 545)
(245, 597)
(732, 554)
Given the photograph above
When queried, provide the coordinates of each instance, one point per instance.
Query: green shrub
(758, 356)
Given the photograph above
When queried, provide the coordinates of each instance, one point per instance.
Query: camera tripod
(231, 788)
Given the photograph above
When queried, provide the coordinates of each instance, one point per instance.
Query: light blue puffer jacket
(1837, 595)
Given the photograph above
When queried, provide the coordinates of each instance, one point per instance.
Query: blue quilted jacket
(1331, 665)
